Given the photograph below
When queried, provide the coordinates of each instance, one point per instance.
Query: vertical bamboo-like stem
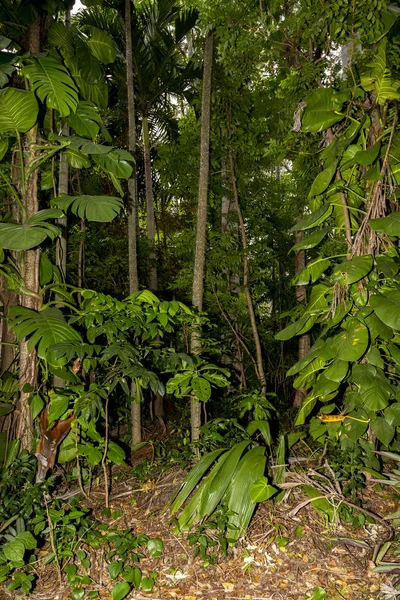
(151, 221)
(259, 360)
(136, 409)
(201, 223)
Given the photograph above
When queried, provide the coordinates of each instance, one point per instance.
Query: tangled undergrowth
(324, 537)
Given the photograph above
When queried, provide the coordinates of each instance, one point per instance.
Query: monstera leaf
(44, 329)
(116, 163)
(102, 46)
(53, 84)
(18, 110)
(86, 120)
(93, 208)
(32, 233)
(323, 109)
(61, 37)
(379, 79)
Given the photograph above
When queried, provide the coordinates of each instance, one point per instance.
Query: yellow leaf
(227, 585)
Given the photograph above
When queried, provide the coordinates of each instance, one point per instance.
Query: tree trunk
(151, 221)
(30, 299)
(63, 180)
(259, 360)
(61, 242)
(22, 425)
(136, 425)
(301, 297)
(201, 227)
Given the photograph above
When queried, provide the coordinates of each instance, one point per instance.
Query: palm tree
(163, 73)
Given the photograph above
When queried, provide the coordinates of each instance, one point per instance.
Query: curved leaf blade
(18, 110)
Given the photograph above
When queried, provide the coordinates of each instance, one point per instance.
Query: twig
(123, 494)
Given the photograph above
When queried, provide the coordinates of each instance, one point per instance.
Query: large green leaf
(387, 307)
(323, 179)
(77, 159)
(32, 233)
(312, 272)
(312, 240)
(116, 163)
(220, 478)
(240, 505)
(261, 490)
(338, 370)
(376, 397)
(83, 145)
(53, 84)
(302, 363)
(93, 208)
(193, 478)
(352, 343)
(322, 107)
(308, 405)
(86, 120)
(61, 37)
(18, 110)
(351, 271)
(368, 157)
(307, 375)
(379, 79)
(383, 430)
(292, 329)
(316, 218)
(389, 225)
(44, 329)
(102, 45)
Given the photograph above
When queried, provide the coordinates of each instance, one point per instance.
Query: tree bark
(136, 409)
(151, 221)
(132, 182)
(201, 227)
(61, 242)
(22, 422)
(259, 359)
(29, 299)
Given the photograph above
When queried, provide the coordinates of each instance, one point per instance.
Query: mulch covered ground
(333, 556)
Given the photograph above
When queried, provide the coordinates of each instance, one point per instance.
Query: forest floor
(290, 552)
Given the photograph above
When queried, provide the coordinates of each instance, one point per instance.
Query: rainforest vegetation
(199, 265)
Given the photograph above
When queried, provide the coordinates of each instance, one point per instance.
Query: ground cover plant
(199, 295)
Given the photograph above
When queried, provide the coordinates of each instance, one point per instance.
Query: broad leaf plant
(352, 371)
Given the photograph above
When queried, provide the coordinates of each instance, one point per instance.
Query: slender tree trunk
(151, 221)
(301, 297)
(22, 426)
(201, 228)
(136, 424)
(61, 242)
(63, 181)
(259, 360)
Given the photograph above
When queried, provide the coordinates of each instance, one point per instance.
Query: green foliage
(18, 110)
(197, 379)
(26, 524)
(352, 367)
(229, 480)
